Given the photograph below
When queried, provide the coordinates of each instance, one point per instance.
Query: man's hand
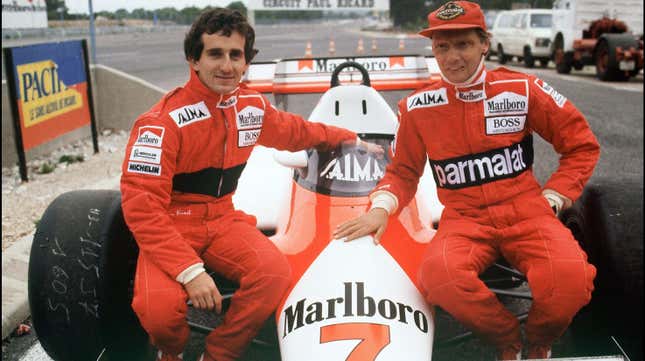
(372, 148)
(203, 293)
(557, 201)
(373, 221)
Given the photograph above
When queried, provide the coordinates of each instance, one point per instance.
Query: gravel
(23, 203)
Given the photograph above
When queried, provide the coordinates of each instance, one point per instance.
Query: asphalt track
(614, 111)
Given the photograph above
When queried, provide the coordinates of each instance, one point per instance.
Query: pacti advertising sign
(50, 92)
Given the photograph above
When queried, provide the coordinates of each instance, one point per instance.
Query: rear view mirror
(291, 159)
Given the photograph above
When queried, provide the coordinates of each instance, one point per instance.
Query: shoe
(539, 352)
(509, 353)
(167, 357)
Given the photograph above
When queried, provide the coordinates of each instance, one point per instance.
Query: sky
(82, 6)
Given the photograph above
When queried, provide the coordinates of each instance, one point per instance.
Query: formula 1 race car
(351, 301)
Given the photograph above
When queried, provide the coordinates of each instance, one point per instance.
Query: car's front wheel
(501, 57)
(529, 60)
(607, 222)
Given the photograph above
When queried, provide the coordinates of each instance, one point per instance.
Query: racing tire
(607, 65)
(501, 57)
(607, 223)
(529, 60)
(80, 280)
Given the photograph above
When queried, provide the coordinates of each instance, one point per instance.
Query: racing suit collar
(478, 77)
(196, 85)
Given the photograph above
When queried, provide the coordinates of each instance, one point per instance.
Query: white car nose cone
(355, 303)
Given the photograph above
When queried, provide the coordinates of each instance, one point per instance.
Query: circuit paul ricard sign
(50, 93)
(381, 5)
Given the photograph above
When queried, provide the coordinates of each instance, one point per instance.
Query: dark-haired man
(475, 129)
(181, 168)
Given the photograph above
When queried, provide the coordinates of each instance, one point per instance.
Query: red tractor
(606, 43)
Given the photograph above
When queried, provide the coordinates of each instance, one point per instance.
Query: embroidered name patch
(190, 114)
(450, 11)
(250, 117)
(503, 125)
(150, 135)
(470, 95)
(558, 98)
(247, 138)
(506, 103)
(146, 154)
(228, 102)
(427, 99)
(144, 168)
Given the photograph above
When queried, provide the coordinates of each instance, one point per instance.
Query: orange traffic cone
(360, 49)
(332, 47)
(401, 44)
(374, 47)
(308, 50)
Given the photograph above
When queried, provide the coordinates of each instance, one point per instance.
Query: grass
(46, 168)
(69, 159)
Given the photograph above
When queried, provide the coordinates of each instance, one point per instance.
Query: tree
(54, 9)
(410, 12)
(121, 14)
(237, 5)
(189, 14)
(141, 13)
(170, 14)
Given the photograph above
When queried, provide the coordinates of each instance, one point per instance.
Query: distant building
(24, 14)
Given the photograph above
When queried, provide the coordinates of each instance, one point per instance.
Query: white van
(524, 33)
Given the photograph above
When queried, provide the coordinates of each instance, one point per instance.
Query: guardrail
(49, 33)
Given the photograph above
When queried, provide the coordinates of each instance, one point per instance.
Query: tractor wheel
(607, 65)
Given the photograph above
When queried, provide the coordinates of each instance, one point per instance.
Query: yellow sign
(43, 95)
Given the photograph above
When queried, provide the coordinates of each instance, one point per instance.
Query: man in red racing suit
(475, 127)
(181, 168)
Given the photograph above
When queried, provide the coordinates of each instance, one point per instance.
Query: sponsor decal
(250, 117)
(144, 168)
(323, 65)
(450, 11)
(353, 302)
(183, 212)
(505, 124)
(558, 98)
(190, 114)
(43, 94)
(486, 167)
(427, 99)
(506, 103)
(471, 95)
(349, 169)
(146, 154)
(247, 138)
(150, 135)
(227, 103)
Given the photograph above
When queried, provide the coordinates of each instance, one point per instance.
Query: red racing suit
(181, 168)
(478, 142)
